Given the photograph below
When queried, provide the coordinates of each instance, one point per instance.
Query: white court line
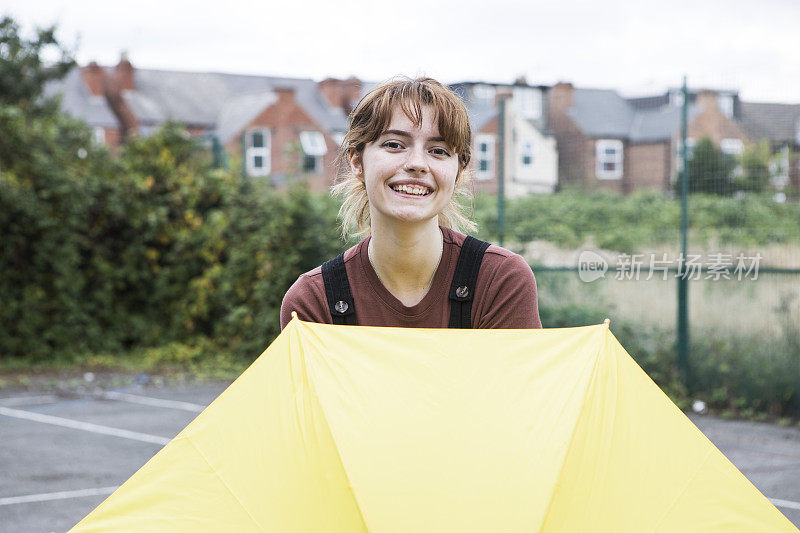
(57, 495)
(85, 426)
(154, 402)
(27, 400)
(784, 503)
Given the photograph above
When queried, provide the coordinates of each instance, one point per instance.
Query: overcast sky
(637, 47)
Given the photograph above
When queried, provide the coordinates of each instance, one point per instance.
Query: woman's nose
(416, 162)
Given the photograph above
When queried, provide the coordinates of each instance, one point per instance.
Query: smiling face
(409, 171)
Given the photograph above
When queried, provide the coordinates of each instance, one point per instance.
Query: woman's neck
(406, 258)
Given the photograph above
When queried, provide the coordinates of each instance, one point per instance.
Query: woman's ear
(354, 158)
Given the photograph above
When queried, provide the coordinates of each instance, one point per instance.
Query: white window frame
(725, 104)
(732, 146)
(314, 147)
(99, 135)
(602, 146)
(313, 143)
(488, 156)
(690, 144)
(527, 102)
(251, 152)
(526, 149)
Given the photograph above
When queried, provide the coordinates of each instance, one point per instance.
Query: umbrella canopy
(347, 429)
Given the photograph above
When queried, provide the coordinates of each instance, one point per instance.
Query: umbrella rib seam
(327, 423)
(230, 491)
(575, 429)
(683, 489)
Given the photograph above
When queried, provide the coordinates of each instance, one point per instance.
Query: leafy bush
(743, 374)
(150, 248)
(624, 223)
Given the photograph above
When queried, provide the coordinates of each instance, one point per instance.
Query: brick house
(778, 124)
(606, 141)
(82, 94)
(531, 157)
(280, 127)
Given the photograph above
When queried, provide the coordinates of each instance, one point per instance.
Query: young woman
(407, 155)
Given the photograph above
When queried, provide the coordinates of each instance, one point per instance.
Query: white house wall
(541, 177)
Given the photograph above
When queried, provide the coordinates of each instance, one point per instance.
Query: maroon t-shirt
(505, 293)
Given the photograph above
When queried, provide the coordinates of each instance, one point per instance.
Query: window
(527, 102)
(257, 152)
(314, 147)
(690, 144)
(608, 159)
(526, 153)
(484, 149)
(99, 135)
(731, 146)
(725, 104)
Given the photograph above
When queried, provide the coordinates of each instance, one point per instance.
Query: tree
(23, 69)
(710, 169)
(755, 163)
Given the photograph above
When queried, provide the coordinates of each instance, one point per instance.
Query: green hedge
(106, 254)
(737, 374)
(570, 218)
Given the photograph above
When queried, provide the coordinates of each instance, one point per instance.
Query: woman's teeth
(411, 189)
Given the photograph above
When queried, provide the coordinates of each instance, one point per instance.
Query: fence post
(683, 282)
(501, 169)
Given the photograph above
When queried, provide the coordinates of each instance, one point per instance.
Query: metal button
(462, 292)
(341, 307)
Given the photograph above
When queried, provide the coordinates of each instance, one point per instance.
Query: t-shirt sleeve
(511, 297)
(307, 297)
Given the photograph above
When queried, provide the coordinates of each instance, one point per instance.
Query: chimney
(343, 94)
(332, 90)
(285, 94)
(707, 99)
(123, 74)
(94, 78)
(352, 93)
(561, 97)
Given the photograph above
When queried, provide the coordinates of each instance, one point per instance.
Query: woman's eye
(392, 145)
(440, 151)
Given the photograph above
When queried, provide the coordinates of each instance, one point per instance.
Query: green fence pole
(683, 282)
(501, 168)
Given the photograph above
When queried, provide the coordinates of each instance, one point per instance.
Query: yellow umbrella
(347, 428)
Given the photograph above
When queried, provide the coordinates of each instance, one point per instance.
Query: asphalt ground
(62, 454)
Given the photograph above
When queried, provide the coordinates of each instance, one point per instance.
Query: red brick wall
(711, 122)
(575, 150)
(113, 139)
(93, 76)
(285, 119)
(648, 166)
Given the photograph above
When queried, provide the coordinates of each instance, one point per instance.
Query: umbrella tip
(607, 321)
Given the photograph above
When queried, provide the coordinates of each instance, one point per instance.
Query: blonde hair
(369, 120)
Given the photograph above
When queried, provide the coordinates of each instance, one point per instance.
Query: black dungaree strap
(462, 289)
(337, 291)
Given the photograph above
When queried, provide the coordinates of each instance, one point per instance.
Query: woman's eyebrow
(402, 133)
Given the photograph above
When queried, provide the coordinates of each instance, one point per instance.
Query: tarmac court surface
(61, 455)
